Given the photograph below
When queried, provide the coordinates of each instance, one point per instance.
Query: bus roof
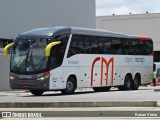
(52, 31)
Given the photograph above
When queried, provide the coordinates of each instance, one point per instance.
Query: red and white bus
(66, 58)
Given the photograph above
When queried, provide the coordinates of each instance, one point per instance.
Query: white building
(135, 24)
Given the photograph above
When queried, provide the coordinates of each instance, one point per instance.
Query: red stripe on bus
(92, 70)
(152, 54)
(144, 38)
(111, 61)
(107, 63)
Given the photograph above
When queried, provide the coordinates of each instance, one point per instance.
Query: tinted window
(116, 46)
(138, 47)
(104, 45)
(146, 47)
(132, 47)
(109, 45)
(76, 45)
(91, 45)
(135, 47)
(58, 51)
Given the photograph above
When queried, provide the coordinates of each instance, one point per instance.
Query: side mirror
(6, 48)
(49, 46)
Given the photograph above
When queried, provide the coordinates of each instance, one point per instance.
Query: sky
(123, 7)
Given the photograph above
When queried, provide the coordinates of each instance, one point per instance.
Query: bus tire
(70, 86)
(127, 84)
(37, 92)
(101, 89)
(135, 84)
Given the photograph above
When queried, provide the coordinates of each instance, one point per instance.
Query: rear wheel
(127, 84)
(101, 89)
(135, 84)
(70, 86)
(37, 92)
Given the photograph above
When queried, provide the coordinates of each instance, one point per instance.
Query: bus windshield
(28, 56)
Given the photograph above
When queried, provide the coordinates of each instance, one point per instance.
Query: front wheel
(70, 86)
(37, 92)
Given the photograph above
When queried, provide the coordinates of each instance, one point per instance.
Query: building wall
(4, 72)
(17, 16)
(139, 24)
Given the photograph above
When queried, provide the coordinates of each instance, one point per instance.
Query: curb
(78, 104)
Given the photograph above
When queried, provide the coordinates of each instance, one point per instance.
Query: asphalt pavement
(144, 97)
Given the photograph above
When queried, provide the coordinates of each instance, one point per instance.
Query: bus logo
(6, 114)
(107, 63)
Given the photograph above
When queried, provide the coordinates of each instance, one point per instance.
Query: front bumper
(30, 84)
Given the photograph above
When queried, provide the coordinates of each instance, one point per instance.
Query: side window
(143, 47)
(128, 47)
(135, 47)
(58, 51)
(116, 46)
(76, 45)
(146, 47)
(138, 47)
(104, 45)
(91, 45)
(149, 47)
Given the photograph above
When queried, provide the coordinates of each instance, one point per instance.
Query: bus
(66, 58)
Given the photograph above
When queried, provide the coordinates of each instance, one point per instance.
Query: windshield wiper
(29, 62)
(23, 62)
(21, 65)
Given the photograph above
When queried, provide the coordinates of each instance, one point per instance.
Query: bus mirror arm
(49, 46)
(6, 48)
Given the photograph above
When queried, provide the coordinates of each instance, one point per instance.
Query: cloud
(119, 7)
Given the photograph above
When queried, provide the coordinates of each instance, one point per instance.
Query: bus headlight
(11, 77)
(43, 78)
(46, 75)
